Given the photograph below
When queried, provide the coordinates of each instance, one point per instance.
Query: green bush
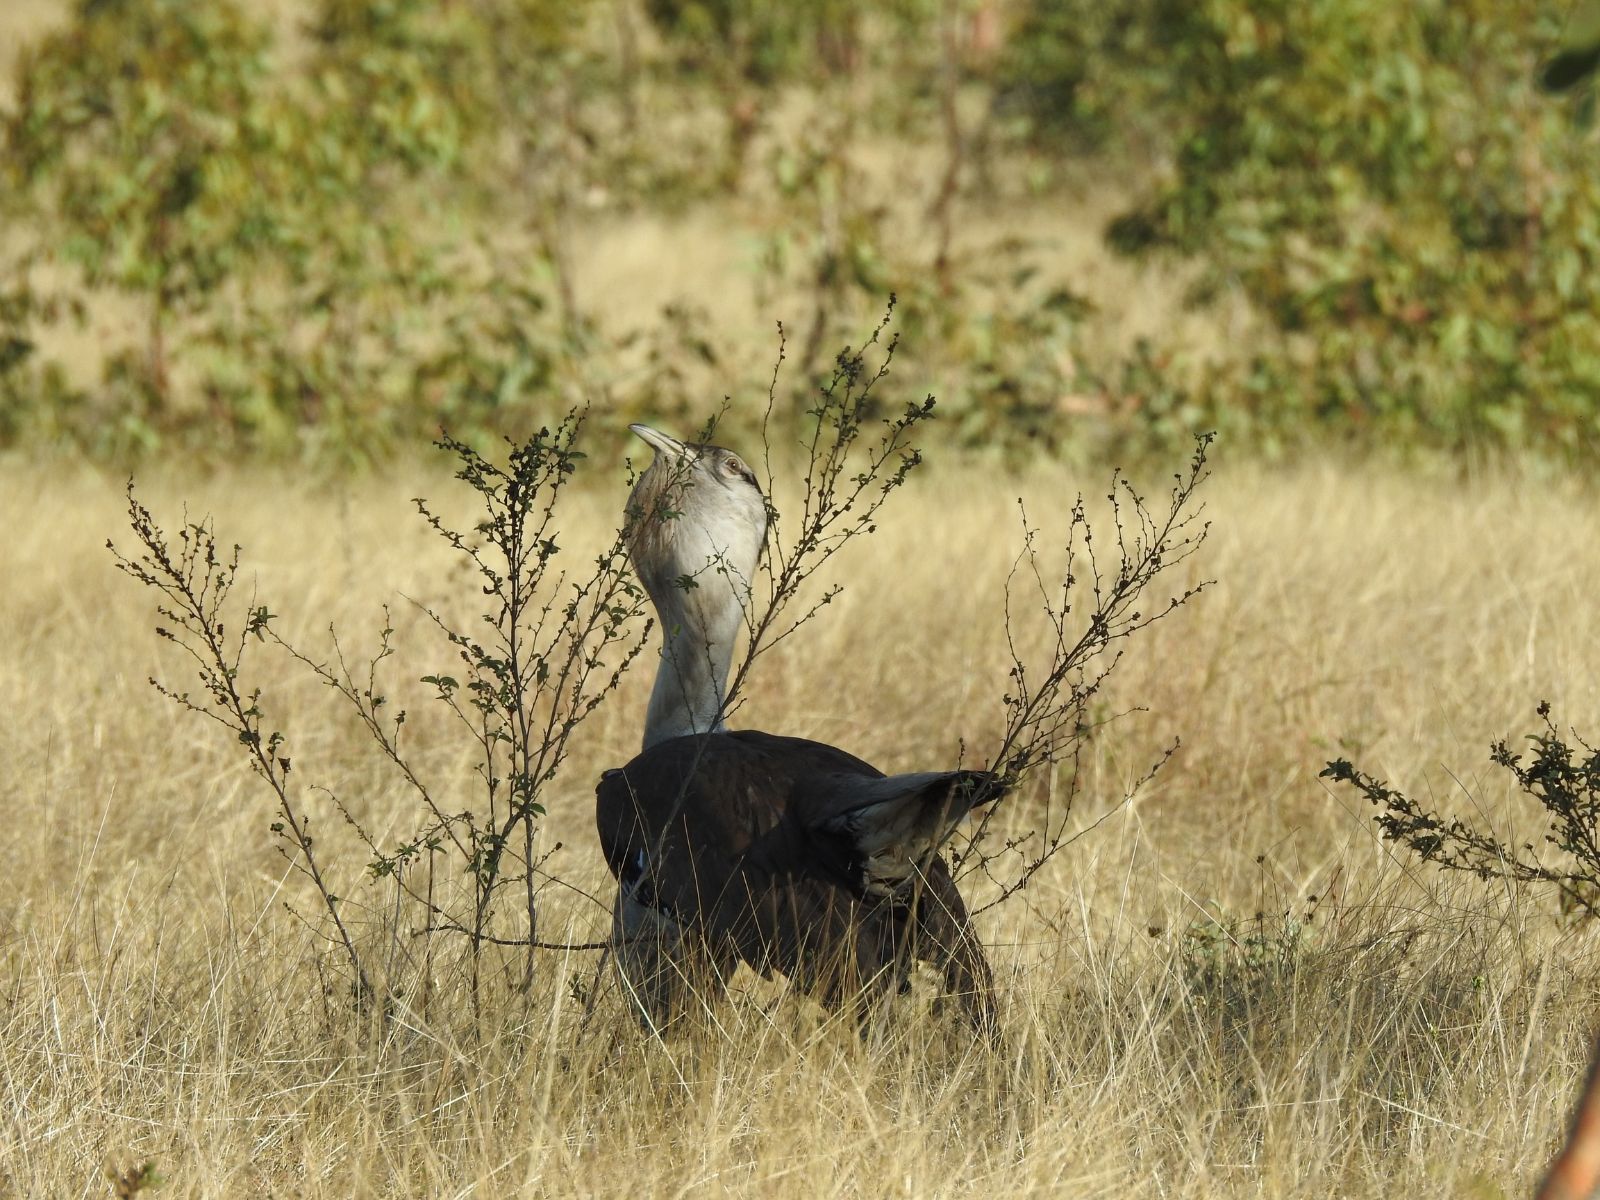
(269, 224)
(1561, 776)
(138, 130)
(337, 236)
(1416, 223)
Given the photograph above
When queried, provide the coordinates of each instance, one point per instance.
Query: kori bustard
(735, 845)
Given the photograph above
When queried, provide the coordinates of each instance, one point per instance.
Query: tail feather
(891, 826)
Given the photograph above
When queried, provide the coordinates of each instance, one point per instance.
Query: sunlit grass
(1415, 1036)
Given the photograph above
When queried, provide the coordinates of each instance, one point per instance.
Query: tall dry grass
(1417, 1036)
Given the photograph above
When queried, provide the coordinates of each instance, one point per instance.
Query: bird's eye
(734, 467)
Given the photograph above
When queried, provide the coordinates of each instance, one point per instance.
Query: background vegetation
(331, 226)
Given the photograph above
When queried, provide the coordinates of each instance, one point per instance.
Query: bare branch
(1083, 612)
(194, 581)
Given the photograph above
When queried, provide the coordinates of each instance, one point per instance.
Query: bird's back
(725, 829)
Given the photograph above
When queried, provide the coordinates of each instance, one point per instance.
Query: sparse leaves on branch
(193, 581)
(1086, 608)
(551, 645)
(848, 476)
(1562, 774)
(556, 643)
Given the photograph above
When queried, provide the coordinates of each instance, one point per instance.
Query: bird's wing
(881, 832)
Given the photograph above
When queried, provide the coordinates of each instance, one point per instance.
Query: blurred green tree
(1388, 188)
(138, 130)
(273, 211)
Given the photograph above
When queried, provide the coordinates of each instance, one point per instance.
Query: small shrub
(552, 645)
(134, 1180)
(1232, 964)
(1561, 775)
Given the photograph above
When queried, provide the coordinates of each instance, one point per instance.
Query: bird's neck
(699, 627)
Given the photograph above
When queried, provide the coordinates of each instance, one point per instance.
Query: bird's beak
(663, 444)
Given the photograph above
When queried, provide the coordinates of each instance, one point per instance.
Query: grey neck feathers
(698, 635)
(697, 566)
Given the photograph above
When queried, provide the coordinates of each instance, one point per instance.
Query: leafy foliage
(338, 236)
(1562, 775)
(139, 127)
(265, 220)
(767, 41)
(1388, 188)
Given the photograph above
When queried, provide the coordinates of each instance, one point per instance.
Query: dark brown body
(728, 848)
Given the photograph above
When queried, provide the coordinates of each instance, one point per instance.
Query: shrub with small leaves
(552, 645)
(1561, 775)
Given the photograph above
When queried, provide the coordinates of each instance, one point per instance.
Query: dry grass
(1418, 1037)
(159, 1004)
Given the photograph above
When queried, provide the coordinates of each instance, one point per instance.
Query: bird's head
(696, 510)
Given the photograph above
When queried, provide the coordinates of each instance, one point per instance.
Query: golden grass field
(1422, 1036)
(1402, 1034)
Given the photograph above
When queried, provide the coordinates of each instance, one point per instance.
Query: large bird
(790, 855)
